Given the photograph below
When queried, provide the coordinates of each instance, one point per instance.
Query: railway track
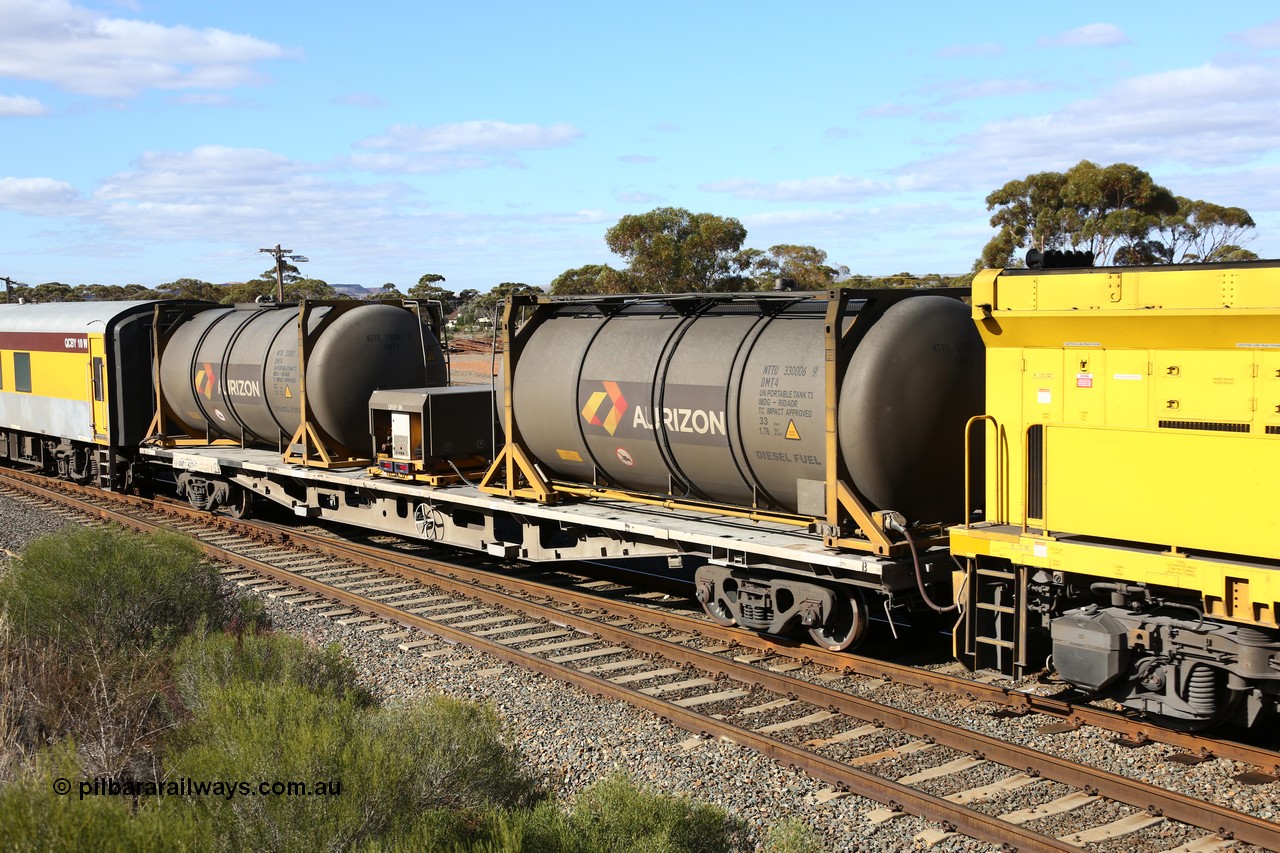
(717, 683)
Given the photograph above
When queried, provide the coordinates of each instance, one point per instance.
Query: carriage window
(22, 371)
(97, 379)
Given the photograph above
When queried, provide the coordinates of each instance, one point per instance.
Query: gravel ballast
(574, 739)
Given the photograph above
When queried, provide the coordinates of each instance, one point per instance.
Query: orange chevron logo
(618, 407)
(205, 378)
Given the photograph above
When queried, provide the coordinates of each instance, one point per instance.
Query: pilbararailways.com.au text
(107, 786)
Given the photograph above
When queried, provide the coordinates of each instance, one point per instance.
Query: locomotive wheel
(846, 627)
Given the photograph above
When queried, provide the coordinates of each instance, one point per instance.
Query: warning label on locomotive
(688, 414)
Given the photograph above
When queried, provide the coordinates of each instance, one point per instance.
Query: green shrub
(115, 704)
(106, 588)
(89, 615)
(616, 815)
(792, 836)
(206, 663)
(394, 765)
(33, 817)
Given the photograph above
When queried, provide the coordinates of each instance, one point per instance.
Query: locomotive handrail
(968, 444)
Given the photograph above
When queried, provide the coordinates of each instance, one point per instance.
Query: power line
(231, 264)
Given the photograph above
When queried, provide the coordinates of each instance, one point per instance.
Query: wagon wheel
(241, 503)
(718, 601)
(845, 626)
(424, 520)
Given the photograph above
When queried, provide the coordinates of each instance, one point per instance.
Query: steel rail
(973, 823)
(1140, 795)
(1134, 731)
(1226, 822)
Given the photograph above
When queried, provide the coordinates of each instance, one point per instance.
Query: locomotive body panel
(1133, 445)
(1102, 376)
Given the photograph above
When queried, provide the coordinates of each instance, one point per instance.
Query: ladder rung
(995, 608)
(996, 573)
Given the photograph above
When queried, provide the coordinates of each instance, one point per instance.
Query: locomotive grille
(1035, 472)
(1206, 425)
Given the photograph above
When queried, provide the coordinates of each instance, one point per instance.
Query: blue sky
(146, 141)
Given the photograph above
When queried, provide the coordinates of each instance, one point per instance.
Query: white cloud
(1209, 116)
(204, 99)
(868, 239)
(37, 196)
(411, 149)
(888, 110)
(959, 51)
(214, 197)
(363, 100)
(950, 91)
(842, 188)
(472, 136)
(18, 105)
(421, 164)
(209, 171)
(1090, 35)
(1263, 37)
(637, 197)
(640, 159)
(83, 51)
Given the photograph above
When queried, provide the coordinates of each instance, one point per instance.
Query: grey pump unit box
(430, 424)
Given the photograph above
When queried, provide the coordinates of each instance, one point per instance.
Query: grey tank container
(729, 404)
(236, 372)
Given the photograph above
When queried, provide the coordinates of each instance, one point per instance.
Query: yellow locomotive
(1132, 452)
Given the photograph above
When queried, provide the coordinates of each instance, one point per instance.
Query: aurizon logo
(205, 377)
(618, 407)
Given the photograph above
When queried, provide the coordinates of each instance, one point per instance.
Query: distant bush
(612, 816)
(114, 706)
(106, 588)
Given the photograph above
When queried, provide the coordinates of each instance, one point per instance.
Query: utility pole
(280, 255)
(8, 284)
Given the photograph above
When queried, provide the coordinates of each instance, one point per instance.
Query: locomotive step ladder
(997, 627)
(102, 468)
